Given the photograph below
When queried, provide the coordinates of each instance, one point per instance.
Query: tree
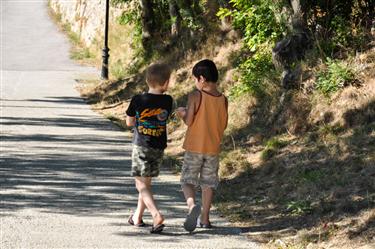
(175, 18)
(147, 20)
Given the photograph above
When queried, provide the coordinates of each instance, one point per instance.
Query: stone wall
(85, 17)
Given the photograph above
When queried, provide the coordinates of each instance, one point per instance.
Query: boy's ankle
(204, 220)
(158, 219)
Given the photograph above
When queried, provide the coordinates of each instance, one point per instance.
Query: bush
(254, 71)
(258, 22)
(335, 76)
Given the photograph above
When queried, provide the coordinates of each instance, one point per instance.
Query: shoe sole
(191, 219)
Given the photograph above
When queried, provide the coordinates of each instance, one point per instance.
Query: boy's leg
(138, 214)
(143, 185)
(209, 181)
(189, 179)
(207, 196)
(189, 193)
(189, 176)
(194, 210)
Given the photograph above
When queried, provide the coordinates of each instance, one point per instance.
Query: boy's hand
(130, 121)
(181, 112)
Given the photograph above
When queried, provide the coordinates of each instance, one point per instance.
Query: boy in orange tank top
(206, 116)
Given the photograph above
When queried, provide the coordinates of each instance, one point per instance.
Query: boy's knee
(188, 182)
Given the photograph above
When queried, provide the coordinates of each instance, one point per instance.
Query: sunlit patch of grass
(81, 54)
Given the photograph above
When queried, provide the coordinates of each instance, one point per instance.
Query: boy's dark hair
(207, 69)
(157, 74)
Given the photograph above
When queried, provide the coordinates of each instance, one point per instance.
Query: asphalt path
(64, 170)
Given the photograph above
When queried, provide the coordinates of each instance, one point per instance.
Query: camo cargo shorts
(200, 169)
(146, 161)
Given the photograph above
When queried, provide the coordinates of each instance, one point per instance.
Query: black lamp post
(105, 50)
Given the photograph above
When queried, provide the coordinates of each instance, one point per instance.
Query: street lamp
(105, 50)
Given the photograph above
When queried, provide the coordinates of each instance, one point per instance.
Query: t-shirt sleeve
(131, 109)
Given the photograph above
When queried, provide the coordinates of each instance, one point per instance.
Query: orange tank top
(205, 133)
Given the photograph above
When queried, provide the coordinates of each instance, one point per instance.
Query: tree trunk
(297, 18)
(147, 17)
(212, 8)
(175, 17)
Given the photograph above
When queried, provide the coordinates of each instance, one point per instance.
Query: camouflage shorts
(200, 169)
(146, 161)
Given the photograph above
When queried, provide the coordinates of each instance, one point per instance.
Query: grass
(313, 176)
(233, 162)
(272, 146)
(299, 207)
(81, 54)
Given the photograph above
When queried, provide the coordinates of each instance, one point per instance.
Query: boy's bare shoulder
(194, 94)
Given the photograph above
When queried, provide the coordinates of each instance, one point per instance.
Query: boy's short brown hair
(157, 74)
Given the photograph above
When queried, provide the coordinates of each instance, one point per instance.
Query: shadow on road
(77, 174)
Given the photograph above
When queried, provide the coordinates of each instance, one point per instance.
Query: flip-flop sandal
(131, 222)
(157, 229)
(209, 225)
(191, 219)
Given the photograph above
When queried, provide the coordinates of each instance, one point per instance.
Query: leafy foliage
(334, 77)
(339, 24)
(132, 16)
(258, 22)
(254, 71)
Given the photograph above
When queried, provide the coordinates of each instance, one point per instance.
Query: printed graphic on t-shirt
(151, 121)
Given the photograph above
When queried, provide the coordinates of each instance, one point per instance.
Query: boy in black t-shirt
(148, 113)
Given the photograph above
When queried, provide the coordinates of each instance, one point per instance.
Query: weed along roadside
(298, 155)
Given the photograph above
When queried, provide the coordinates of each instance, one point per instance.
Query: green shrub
(334, 77)
(261, 26)
(254, 71)
(257, 20)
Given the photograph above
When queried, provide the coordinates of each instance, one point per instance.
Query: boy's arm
(193, 102)
(130, 121)
(130, 112)
(226, 106)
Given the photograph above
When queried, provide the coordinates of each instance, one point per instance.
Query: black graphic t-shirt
(151, 112)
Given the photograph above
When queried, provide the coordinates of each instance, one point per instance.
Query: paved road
(64, 169)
